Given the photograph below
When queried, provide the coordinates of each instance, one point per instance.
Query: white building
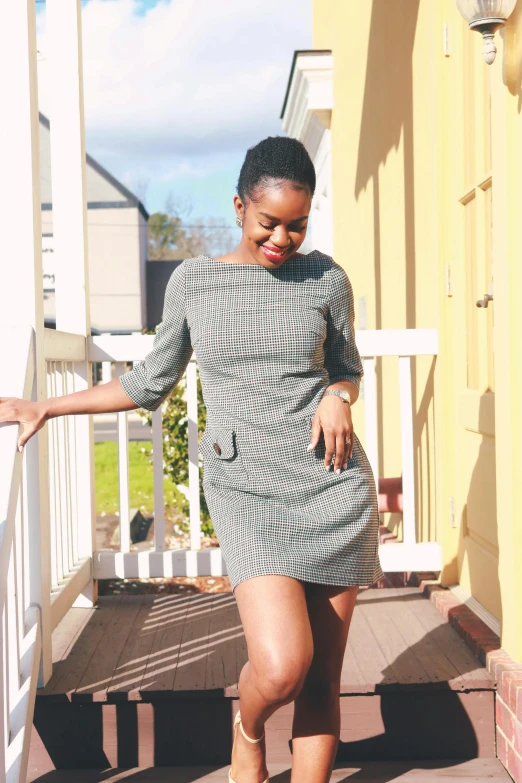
(117, 247)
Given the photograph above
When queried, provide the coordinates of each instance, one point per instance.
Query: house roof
(103, 190)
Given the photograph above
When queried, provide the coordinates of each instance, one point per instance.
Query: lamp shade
(482, 11)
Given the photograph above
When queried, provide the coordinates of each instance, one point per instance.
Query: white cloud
(184, 80)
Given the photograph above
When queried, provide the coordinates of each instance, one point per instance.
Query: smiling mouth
(277, 255)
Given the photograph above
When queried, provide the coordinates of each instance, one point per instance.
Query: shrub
(175, 447)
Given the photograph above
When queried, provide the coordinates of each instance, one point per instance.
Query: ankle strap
(245, 735)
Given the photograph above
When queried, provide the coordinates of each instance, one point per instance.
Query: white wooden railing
(71, 504)
(409, 555)
(22, 597)
(405, 345)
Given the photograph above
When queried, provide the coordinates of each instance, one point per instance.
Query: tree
(174, 234)
(164, 233)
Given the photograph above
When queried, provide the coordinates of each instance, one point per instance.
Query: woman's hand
(334, 417)
(31, 415)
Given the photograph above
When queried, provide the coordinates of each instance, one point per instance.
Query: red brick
(514, 765)
(502, 747)
(505, 719)
(512, 682)
(486, 650)
(500, 668)
(518, 736)
(494, 657)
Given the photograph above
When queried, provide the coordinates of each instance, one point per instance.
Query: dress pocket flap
(223, 442)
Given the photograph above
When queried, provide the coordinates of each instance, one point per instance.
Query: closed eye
(290, 228)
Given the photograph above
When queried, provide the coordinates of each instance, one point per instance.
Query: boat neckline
(232, 263)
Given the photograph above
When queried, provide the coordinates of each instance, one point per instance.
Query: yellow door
(472, 283)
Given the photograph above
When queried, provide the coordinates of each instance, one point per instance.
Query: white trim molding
(306, 115)
(308, 107)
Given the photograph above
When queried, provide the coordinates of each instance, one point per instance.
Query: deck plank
(401, 660)
(370, 659)
(425, 646)
(167, 623)
(225, 629)
(451, 644)
(100, 669)
(130, 667)
(68, 673)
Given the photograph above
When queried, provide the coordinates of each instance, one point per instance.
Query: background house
(117, 247)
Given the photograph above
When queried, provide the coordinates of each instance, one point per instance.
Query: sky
(177, 90)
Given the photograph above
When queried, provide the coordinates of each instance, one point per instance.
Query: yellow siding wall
(385, 182)
(397, 166)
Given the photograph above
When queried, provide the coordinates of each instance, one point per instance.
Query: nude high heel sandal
(237, 721)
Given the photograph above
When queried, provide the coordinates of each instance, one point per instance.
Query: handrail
(20, 633)
(403, 344)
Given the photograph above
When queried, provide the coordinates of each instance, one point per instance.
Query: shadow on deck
(151, 681)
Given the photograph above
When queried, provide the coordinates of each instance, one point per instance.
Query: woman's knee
(280, 679)
(319, 689)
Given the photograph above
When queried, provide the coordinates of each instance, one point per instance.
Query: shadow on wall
(386, 116)
(386, 122)
(512, 70)
(478, 533)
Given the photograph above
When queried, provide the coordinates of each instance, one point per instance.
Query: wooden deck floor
(474, 771)
(140, 680)
(133, 646)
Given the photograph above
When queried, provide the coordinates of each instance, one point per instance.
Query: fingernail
(338, 471)
(20, 449)
(345, 466)
(310, 447)
(327, 467)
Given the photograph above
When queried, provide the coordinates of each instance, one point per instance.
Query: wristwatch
(344, 395)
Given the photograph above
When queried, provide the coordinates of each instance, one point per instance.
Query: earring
(239, 222)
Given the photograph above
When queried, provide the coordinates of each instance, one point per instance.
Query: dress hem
(326, 582)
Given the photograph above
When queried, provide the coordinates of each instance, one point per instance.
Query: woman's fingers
(340, 448)
(316, 434)
(330, 442)
(27, 432)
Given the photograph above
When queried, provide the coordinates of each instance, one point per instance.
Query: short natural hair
(275, 158)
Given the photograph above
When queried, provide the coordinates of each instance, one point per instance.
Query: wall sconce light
(486, 17)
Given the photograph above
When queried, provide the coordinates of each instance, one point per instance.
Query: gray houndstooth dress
(268, 343)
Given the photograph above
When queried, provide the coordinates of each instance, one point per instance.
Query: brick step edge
(506, 672)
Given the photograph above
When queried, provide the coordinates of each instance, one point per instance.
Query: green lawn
(140, 477)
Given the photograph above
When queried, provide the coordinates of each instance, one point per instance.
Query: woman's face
(274, 225)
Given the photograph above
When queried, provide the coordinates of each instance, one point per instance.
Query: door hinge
(449, 281)
(446, 40)
(452, 512)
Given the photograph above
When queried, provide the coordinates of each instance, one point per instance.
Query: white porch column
(306, 116)
(21, 275)
(68, 166)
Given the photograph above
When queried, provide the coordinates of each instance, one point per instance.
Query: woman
(289, 488)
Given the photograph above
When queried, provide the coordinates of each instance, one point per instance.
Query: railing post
(370, 417)
(192, 413)
(408, 453)
(21, 295)
(68, 175)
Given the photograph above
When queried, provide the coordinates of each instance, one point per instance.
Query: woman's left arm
(343, 363)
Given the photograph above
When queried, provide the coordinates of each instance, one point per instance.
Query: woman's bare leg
(274, 614)
(315, 731)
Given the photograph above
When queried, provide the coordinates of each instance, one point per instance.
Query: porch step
(152, 680)
(476, 770)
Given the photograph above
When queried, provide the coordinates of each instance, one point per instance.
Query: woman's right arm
(145, 386)
(104, 398)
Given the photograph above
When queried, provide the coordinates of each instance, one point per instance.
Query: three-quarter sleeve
(151, 380)
(342, 359)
